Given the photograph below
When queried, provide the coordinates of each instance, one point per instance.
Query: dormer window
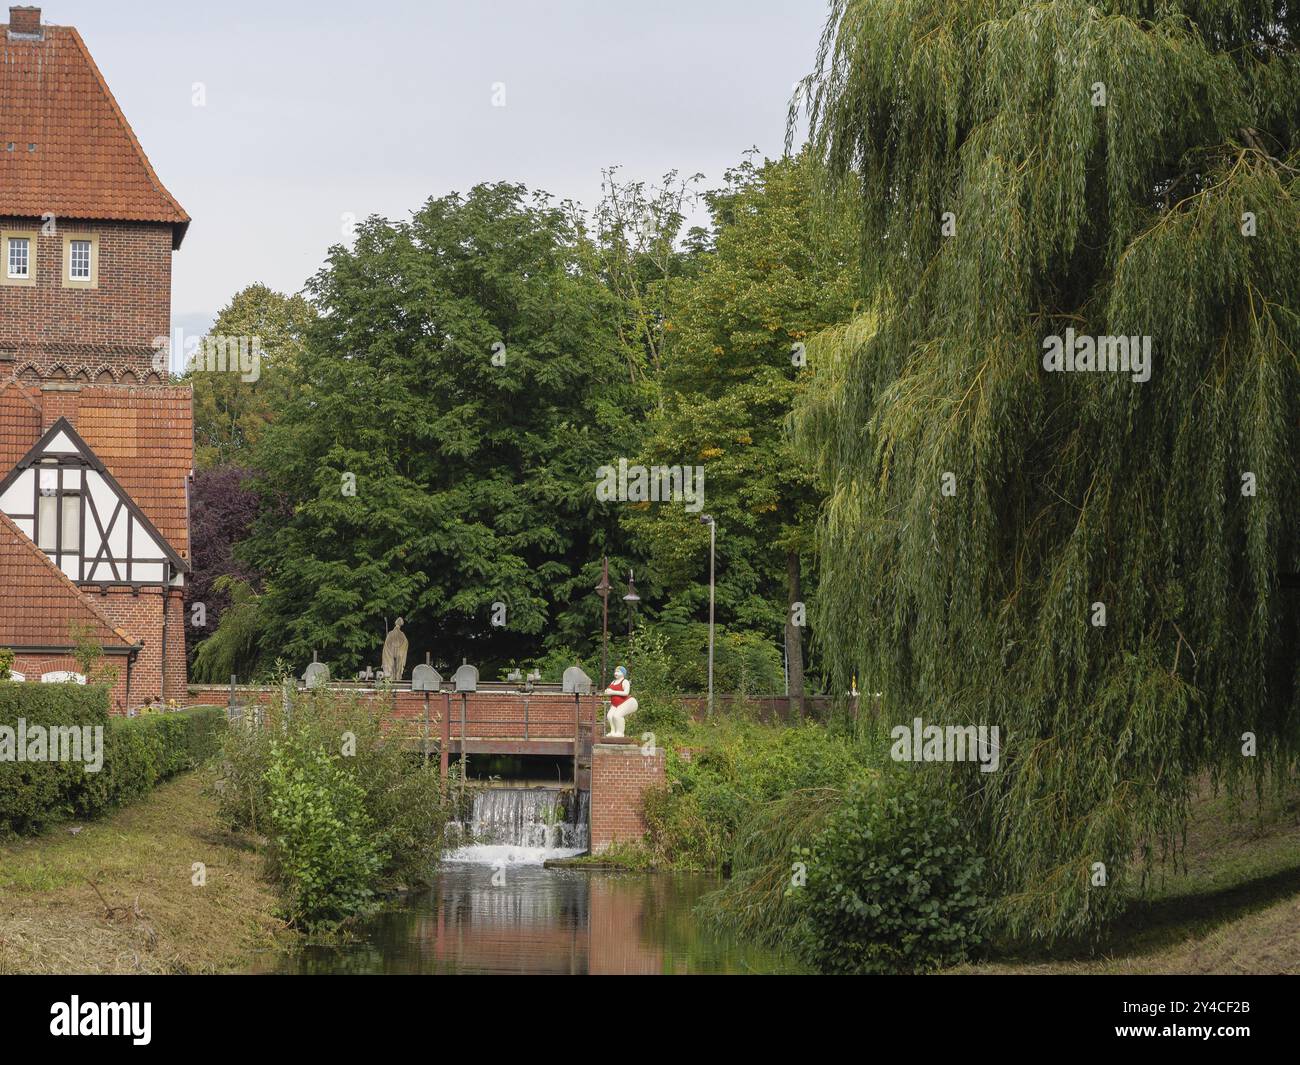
(17, 257)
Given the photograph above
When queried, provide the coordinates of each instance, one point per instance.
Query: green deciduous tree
(1120, 168)
(231, 411)
(771, 279)
(438, 453)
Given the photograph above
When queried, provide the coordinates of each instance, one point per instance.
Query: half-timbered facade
(96, 446)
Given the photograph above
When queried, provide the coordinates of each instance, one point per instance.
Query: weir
(523, 825)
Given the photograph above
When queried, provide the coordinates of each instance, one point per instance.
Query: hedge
(138, 753)
(33, 794)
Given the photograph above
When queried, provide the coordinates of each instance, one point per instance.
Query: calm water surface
(536, 920)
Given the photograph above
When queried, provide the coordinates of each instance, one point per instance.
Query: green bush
(735, 767)
(140, 752)
(34, 795)
(402, 798)
(893, 884)
(322, 849)
(137, 754)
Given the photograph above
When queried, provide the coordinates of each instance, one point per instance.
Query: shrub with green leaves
(141, 752)
(322, 847)
(734, 767)
(893, 883)
(402, 800)
(34, 795)
(138, 753)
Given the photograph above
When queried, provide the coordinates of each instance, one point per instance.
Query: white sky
(317, 109)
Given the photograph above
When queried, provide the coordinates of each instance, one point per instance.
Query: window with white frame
(79, 260)
(19, 257)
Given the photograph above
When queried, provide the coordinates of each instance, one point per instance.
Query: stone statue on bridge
(395, 648)
(621, 704)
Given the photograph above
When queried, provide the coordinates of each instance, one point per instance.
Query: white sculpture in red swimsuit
(621, 703)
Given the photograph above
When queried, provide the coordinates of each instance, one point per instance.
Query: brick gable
(143, 436)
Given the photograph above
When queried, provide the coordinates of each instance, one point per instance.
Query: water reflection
(535, 920)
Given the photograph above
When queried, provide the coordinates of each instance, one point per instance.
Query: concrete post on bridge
(621, 774)
(466, 681)
(424, 678)
(577, 684)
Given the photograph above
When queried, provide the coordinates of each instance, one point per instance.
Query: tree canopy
(438, 455)
(231, 411)
(1092, 561)
(767, 283)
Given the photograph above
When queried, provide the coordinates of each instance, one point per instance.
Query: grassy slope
(1236, 909)
(53, 921)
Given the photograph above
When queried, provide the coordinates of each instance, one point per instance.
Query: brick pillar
(620, 777)
(175, 676)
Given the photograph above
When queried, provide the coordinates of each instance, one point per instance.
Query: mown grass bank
(1234, 908)
(116, 895)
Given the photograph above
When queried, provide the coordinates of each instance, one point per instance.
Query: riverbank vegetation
(831, 851)
(820, 873)
(347, 816)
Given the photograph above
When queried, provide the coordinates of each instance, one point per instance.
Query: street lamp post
(602, 590)
(631, 599)
(707, 519)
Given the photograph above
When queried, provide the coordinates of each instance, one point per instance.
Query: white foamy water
(490, 855)
(522, 826)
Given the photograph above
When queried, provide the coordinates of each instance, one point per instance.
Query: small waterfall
(523, 825)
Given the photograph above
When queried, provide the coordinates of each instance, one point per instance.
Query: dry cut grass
(116, 895)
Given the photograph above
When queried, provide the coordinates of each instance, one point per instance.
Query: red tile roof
(86, 162)
(39, 605)
(20, 422)
(144, 437)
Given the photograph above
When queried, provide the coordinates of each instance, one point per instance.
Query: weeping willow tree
(1093, 560)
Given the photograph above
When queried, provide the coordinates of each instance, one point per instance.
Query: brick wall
(33, 667)
(87, 330)
(620, 777)
(498, 715)
(140, 617)
(176, 670)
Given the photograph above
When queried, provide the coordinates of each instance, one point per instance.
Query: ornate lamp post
(602, 590)
(631, 599)
(707, 519)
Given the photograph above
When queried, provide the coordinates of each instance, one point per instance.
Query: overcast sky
(314, 110)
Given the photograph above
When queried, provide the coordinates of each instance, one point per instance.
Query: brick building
(96, 447)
